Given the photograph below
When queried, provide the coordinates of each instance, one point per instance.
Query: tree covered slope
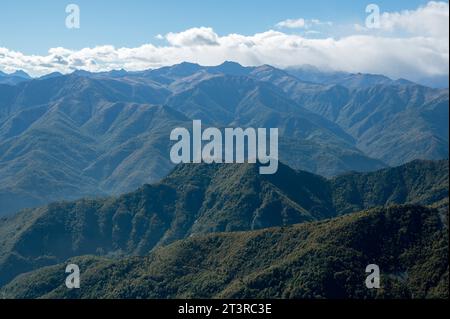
(196, 199)
(312, 260)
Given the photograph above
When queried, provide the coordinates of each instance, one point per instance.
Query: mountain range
(94, 134)
(198, 199)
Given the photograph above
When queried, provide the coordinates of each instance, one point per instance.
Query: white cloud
(292, 23)
(312, 32)
(193, 37)
(301, 23)
(429, 20)
(422, 52)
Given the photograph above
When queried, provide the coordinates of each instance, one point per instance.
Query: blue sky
(411, 40)
(32, 27)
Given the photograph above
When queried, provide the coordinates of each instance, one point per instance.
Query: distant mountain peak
(19, 73)
(230, 68)
(186, 63)
(267, 66)
(51, 75)
(118, 72)
(231, 63)
(81, 73)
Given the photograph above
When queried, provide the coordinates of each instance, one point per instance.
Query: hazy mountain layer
(66, 137)
(89, 134)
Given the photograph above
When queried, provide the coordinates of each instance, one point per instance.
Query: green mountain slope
(307, 140)
(204, 198)
(80, 135)
(394, 123)
(417, 182)
(312, 260)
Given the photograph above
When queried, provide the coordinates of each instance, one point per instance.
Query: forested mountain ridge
(312, 260)
(202, 198)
